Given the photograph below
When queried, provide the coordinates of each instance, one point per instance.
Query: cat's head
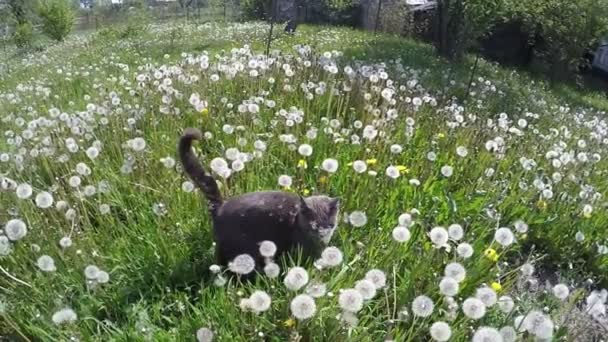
(320, 215)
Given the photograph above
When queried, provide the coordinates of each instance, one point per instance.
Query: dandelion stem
(14, 278)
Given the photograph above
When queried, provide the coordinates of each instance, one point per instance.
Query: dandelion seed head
(296, 278)
(440, 331)
(303, 307)
(242, 264)
(422, 306)
(350, 300)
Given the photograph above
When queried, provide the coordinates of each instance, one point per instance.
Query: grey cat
(242, 222)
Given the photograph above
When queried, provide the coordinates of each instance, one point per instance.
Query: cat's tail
(195, 170)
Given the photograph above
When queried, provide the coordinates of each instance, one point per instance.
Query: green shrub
(23, 35)
(57, 18)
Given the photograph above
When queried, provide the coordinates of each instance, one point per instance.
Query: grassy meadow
(473, 208)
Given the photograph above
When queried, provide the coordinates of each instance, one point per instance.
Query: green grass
(160, 287)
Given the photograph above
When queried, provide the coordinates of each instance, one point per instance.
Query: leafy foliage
(57, 18)
(23, 35)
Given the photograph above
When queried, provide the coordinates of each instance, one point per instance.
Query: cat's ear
(334, 205)
(303, 206)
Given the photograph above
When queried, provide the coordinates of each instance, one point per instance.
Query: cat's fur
(242, 222)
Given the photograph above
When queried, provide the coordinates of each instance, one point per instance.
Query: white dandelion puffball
(561, 291)
(401, 234)
(521, 226)
(303, 307)
(91, 272)
(455, 232)
(487, 334)
(439, 236)
(405, 220)
(138, 144)
(74, 181)
(204, 335)
(316, 290)
(330, 165)
(447, 171)
(448, 287)
(24, 191)
(366, 288)
(65, 242)
(15, 229)
(46, 264)
(242, 264)
(487, 296)
(66, 315)
(218, 164)
(5, 246)
(296, 278)
(351, 300)
(259, 301)
(103, 277)
(285, 181)
(359, 166)
(473, 308)
(455, 271)
(464, 250)
(268, 249)
(508, 334)
(527, 269)
(272, 270)
(377, 277)
(440, 331)
(392, 172)
(504, 236)
(422, 306)
(357, 218)
(331, 257)
(305, 150)
(92, 152)
(462, 151)
(187, 186)
(506, 304)
(538, 324)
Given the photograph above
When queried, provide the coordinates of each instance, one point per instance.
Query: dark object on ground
(291, 26)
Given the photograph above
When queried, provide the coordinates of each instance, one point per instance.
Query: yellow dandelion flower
(440, 135)
(302, 164)
(323, 179)
(496, 286)
(403, 169)
(587, 214)
(205, 111)
(372, 161)
(541, 204)
(306, 192)
(289, 322)
(491, 254)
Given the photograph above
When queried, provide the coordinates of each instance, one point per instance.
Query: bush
(23, 35)
(57, 18)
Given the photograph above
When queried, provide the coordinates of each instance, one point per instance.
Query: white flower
(392, 172)
(405, 220)
(508, 334)
(103, 277)
(296, 278)
(242, 264)
(359, 166)
(187, 186)
(366, 288)
(561, 291)
(137, 144)
(464, 250)
(330, 165)
(462, 151)
(46, 264)
(447, 171)
(448, 286)
(527, 269)
(456, 271)
(487, 334)
(316, 290)
(92, 152)
(65, 242)
(473, 308)
(272, 270)
(506, 304)
(439, 236)
(204, 335)
(74, 181)
(521, 226)
(455, 232)
(422, 306)
(15, 229)
(285, 181)
(440, 331)
(357, 218)
(401, 234)
(218, 164)
(268, 249)
(351, 300)
(259, 301)
(305, 150)
(538, 324)
(66, 315)
(303, 307)
(331, 257)
(486, 295)
(504, 236)
(24, 191)
(377, 277)
(91, 272)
